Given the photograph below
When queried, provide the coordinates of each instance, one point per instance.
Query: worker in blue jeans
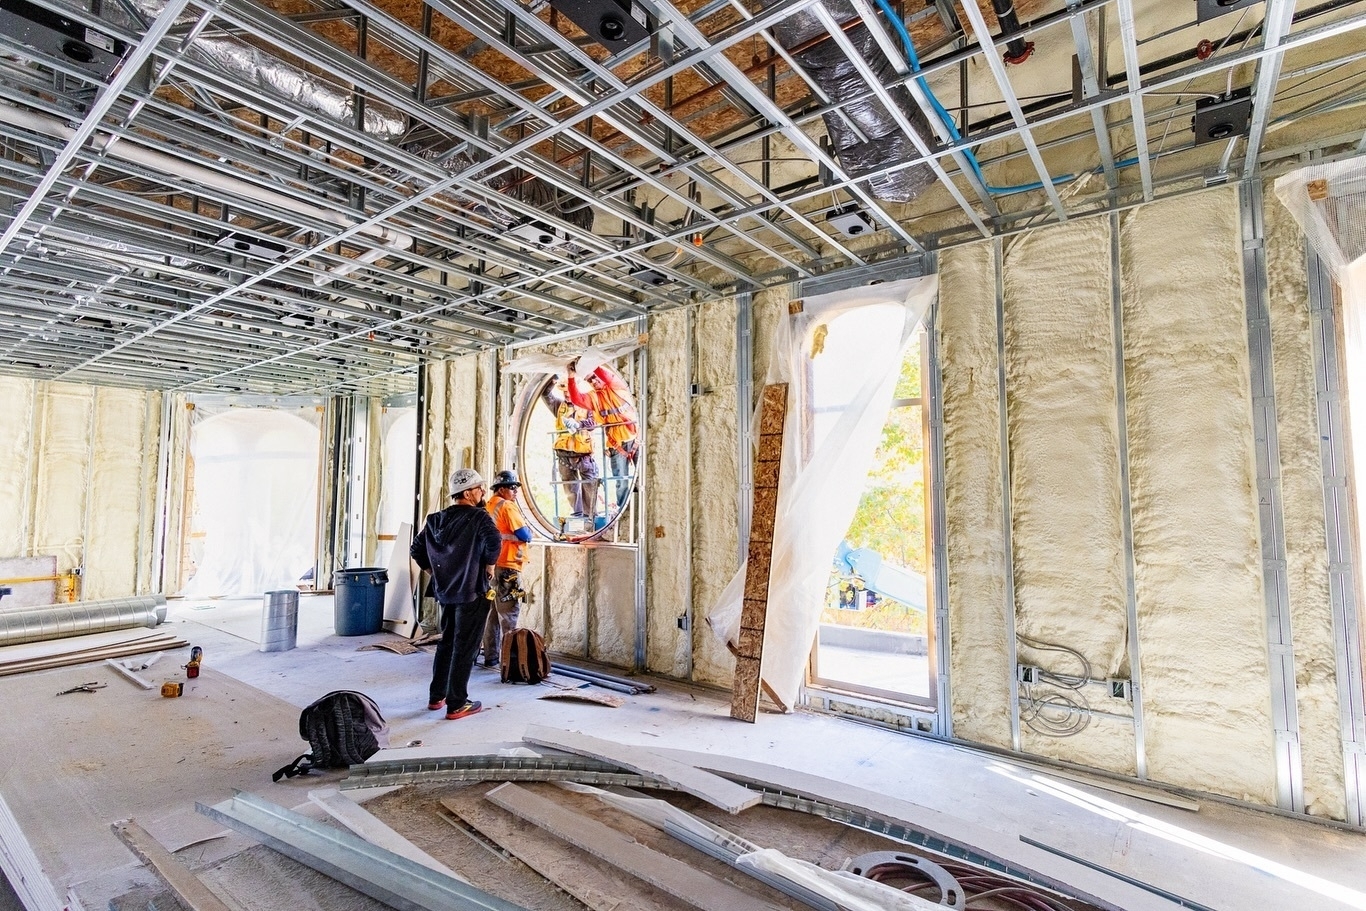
(458, 546)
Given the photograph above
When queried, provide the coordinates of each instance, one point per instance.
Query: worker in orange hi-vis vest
(575, 467)
(607, 398)
(507, 574)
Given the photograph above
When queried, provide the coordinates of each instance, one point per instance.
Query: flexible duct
(61, 621)
(883, 143)
(256, 67)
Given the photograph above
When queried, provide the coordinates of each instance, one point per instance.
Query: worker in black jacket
(458, 546)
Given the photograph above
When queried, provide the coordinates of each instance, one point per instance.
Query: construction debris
(713, 789)
(189, 891)
(577, 695)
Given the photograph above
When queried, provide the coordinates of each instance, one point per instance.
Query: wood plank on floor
(598, 885)
(187, 888)
(714, 789)
(701, 890)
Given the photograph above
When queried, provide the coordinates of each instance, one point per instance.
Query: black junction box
(615, 24)
(59, 38)
(1217, 119)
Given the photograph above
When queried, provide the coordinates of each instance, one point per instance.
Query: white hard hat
(465, 479)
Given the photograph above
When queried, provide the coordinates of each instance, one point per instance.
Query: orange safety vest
(507, 515)
(617, 415)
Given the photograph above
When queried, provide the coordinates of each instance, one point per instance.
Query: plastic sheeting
(590, 358)
(1329, 203)
(256, 498)
(840, 357)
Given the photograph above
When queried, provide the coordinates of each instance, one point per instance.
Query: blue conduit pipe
(947, 120)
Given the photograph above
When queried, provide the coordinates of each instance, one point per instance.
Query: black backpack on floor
(344, 728)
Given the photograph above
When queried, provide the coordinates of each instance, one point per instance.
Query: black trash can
(359, 601)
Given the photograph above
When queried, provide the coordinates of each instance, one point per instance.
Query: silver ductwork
(259, 68)
(62, 621)
(883, 142)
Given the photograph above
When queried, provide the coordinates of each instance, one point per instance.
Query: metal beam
(1275, 26)
(998, 70)
(383, 875)
(103, 103)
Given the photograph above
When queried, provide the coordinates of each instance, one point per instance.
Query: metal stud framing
(359, 249)
(1276, 587)
(1126, 516)
(1007, 513)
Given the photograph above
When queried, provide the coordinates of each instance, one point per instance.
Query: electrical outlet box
(849, 221)
(615, 24)
(1218, 119)
(650, 277)
(255, 246)
(1027, 673)
(1205, 10)
(538, 234)
(1119, 688)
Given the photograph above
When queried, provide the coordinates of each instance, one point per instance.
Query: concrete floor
(78, 762)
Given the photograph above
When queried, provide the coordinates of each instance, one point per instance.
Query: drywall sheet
(63, 472)
(566, 599)
(668, 428)
(116, 538)
(716, 480)
(1201, 613)
(17, 398)
(980, 667)
(1062, 409)
(612, 582)
(1311, 614)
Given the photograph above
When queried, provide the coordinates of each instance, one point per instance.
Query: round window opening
(577, 451)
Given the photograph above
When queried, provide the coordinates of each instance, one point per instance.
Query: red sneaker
(438, 704)
(469, 708)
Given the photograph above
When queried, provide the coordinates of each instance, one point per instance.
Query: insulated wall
(79, 481)
(1050, 565)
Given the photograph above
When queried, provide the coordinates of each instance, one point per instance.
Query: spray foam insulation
(16, 451)
(1301, 472)
(1201, 614)
(1062, 411)
(63, 473)
(668, 421)
(566, 599)
(612, 579)
(980, 670)
(118, 510)
(716, 480)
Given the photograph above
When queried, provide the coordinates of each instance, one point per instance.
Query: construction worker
(507, 572)
(458, 546)
(607, 398)
(575, 466)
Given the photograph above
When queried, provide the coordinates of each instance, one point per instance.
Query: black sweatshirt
(454, 546)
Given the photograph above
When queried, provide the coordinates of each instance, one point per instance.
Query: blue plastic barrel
(358, 606)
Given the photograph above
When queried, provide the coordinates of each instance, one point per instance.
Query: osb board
(767, 464)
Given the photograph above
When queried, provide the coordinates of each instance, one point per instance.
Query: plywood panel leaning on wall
(981, 670)
(1198, 578)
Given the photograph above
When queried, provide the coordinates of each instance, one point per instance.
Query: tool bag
(524, 659)
(344, 728)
